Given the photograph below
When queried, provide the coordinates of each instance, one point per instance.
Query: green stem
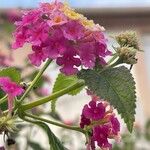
(2, 100)
(55, 95)
(55, 123)
(118, 61)
(35, 80)
(28, 120)
(113, 58)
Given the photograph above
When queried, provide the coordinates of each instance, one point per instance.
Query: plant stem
(55, 95)
(113, 58)
(2, 100)
(35, 80)
(55, 123)
(118, 61)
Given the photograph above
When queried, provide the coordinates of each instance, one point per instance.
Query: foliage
(79, 48)
(106, 84)
(62, 82)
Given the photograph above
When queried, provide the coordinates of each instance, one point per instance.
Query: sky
(77, 3)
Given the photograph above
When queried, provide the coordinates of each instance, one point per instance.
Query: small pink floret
(11, 89)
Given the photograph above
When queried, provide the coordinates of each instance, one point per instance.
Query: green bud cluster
(128, 38)
(127, 54)
(128, 48)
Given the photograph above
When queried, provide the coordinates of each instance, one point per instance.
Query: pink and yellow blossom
(57, 32)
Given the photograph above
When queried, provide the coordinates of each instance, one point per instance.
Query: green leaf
(2, 94)
(3, 106)
(39, 84)
(35, 145)
(62, 82)
(115, 85)
(55, 143)
(12, 73)
(53, 105)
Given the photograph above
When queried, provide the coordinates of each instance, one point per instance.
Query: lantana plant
(57, 33)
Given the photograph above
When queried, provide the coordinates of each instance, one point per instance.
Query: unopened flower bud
(128, 38)
(127, 54)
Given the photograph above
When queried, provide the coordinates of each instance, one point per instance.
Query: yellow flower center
(71, 13)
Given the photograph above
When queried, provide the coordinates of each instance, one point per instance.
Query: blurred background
(115, 16)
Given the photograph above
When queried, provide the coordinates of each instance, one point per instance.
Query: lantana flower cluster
(57, 32)
(99, 120)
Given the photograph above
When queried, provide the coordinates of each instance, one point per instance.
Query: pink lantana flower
(20, 39)
(38, 56)
(94, 110)
(37, 35)
(58, 30)
(11, 89)
(73, 30)
(87, 55)
(99, 119)
(55, 45)
(57, 19)
(69, 62)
